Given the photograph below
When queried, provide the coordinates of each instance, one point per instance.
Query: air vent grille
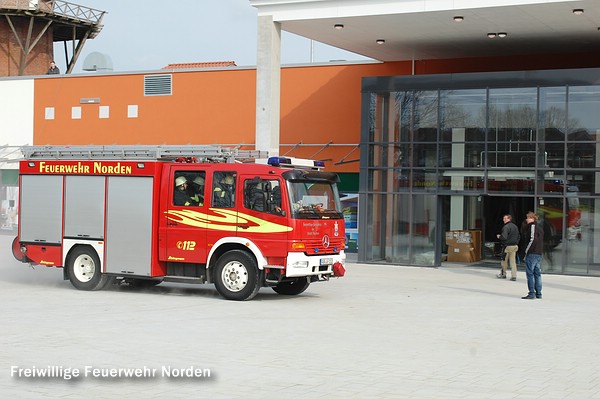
(158, 85)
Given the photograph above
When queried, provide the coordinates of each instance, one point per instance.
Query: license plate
(326, 261)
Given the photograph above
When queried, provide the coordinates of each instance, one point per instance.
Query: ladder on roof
(200, 153)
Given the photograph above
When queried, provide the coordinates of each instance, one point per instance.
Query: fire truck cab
(194, 214)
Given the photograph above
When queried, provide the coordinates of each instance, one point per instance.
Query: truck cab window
(314, 200)
(223, 190)
(263, 195)
(188, 188)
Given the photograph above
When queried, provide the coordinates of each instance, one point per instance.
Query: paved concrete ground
(379, 332)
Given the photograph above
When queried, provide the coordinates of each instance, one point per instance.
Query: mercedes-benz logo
(325, 241)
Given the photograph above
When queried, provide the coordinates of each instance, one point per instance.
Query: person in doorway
(53, 70)
(509, 238)
(533, 257)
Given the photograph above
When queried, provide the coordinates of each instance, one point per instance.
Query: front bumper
(300, 265)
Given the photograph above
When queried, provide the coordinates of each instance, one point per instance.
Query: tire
(84, 271)
(16, 250)
(294, 287)
(237, 276)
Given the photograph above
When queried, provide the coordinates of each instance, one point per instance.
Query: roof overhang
(418, 30)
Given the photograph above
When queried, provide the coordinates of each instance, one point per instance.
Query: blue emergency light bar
(278, 161)
(295, 162)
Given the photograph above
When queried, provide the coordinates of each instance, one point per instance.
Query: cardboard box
(464, 245)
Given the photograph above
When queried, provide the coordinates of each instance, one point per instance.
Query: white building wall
(16, 112)
(16, 129)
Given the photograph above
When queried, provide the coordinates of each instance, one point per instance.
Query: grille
(317, 244)
(157, 85)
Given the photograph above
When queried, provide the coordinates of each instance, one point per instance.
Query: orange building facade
(320, 109)
(320, 105)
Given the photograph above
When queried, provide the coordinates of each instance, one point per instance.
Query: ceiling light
(578, 11)
(458, 18)
(502, 34)
(379, 41)
(338, 26)
(491, 35)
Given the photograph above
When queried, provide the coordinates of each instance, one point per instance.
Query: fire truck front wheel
(83, 268)
(237, 276)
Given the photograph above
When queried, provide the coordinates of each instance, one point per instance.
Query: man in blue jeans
(533, 257)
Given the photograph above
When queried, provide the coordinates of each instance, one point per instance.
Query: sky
(148, 35)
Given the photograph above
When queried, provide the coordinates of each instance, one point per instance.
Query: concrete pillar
(268, 85)
(457, 182)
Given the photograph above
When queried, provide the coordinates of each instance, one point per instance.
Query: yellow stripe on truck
(225, 220)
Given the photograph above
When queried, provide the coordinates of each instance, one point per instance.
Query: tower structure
(29, 29)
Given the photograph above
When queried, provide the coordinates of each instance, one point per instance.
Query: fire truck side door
(262, 214)
(224, 201)
(186, 215)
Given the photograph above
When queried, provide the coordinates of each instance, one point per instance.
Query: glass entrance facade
(455, 152)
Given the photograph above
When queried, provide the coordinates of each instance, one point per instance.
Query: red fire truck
(195, 214)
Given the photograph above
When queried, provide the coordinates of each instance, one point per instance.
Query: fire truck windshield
(314, 200)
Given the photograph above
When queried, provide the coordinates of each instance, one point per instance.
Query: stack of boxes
(464, 245)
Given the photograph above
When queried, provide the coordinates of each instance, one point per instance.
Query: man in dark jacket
(533, 257)
(53, 70)
(509, 238)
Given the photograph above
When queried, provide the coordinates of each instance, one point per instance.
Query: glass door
(461, 216)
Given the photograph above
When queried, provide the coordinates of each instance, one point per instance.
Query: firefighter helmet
(180, 180)
(199, 180)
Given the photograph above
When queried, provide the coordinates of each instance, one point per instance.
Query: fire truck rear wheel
(294, 287)
(237, 276)
(84, 270)
(16, 250)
